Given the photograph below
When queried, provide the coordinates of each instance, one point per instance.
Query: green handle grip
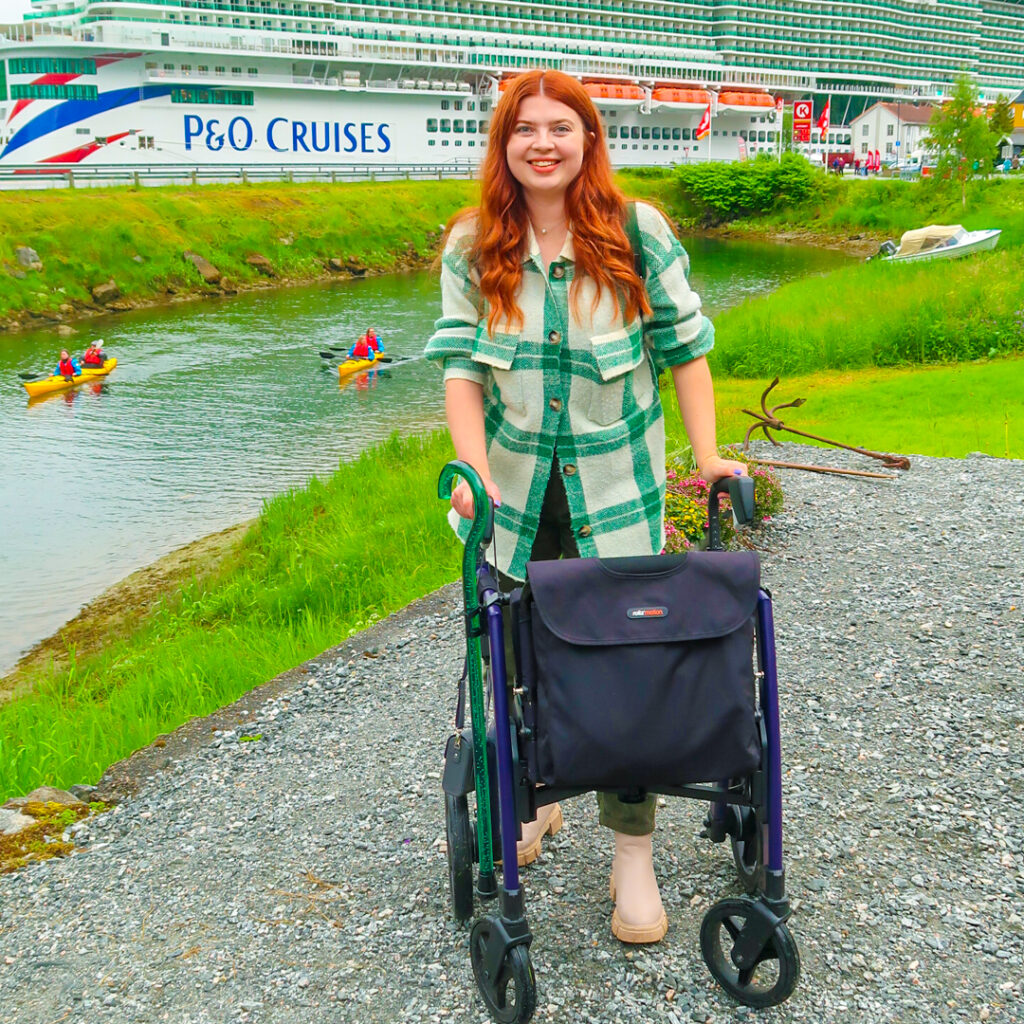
(483, 515)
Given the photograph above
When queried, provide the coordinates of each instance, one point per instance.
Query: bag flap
(659, 599)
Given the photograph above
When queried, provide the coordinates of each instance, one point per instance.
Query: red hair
(595, 206)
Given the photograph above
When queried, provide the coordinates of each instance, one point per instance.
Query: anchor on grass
(767, 421)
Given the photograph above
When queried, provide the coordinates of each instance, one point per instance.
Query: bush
(686, 504)
(722, 192)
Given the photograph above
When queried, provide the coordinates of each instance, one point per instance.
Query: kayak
(350, 366)
(47, 385)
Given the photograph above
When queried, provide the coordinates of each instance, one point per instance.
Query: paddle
(32, 375)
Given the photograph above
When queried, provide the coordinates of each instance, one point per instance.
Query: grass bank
(301, 580)
(137, 237)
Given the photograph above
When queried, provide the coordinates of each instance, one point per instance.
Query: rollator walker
(632, 676)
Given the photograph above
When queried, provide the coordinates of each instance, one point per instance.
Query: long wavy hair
(595, 207)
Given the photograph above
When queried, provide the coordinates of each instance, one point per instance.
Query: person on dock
(551, 342)
(361, 349)
(67, 367)
(94, 354)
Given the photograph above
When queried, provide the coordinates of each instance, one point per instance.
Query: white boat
(938, 242)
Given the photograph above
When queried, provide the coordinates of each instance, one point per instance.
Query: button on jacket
(580, 383)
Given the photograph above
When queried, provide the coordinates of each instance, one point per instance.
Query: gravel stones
(289, 867)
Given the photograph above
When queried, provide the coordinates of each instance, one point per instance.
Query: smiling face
(545, 150)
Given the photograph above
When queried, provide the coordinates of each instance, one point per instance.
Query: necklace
(558, 223)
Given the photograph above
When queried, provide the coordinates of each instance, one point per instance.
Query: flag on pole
(878, 160)
(823, 120)
(704, 128)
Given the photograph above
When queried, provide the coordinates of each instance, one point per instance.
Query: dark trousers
(555, 540)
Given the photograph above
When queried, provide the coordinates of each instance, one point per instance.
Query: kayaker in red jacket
(94, 355)
(361, 349)
(67, 367)
(375, 341)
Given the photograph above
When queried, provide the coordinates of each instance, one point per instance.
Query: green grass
(878, 314)
(301, 581)
(945, 411)
(137, 236)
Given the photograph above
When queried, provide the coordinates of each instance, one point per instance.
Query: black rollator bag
(639, 672)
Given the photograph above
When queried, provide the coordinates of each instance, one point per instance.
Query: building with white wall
(896, 130)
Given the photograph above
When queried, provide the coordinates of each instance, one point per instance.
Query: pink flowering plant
(686, 503)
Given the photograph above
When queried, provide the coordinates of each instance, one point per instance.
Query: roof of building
(908, 113)
(1020, 98)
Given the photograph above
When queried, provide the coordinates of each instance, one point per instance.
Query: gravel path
(299, 877)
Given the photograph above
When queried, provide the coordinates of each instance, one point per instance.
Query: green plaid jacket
(584, 387)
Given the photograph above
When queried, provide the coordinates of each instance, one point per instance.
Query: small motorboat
(937, 242)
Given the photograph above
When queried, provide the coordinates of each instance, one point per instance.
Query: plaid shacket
(584, 387)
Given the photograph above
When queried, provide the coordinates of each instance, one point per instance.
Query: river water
(216, 406)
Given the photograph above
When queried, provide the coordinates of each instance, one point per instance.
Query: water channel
(215, 407)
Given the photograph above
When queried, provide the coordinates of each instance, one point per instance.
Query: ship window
(471, 126)
(446, 125)
(253, 72)
(645, 133)
(54, 92)
(458, 142)
(677, 134)
(762, 136)
(484, 125)
(51, 66)
(431, 142)
(444, 142)
(219, 70)
(226, 97)
(655, 132)
(459, 125)
(203, 69)
(634, 133)
(743, 133)
(168, 67)
(613, 131)
(458, 104)
(686, 134)
(431, 124)
(485, 105)
(186, 69)
(445, 104)
(83, 131)
(471, 105)
(771, 136)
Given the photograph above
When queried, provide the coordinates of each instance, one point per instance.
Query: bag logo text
(653, 612)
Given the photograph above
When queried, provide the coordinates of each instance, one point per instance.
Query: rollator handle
(483, 511)
(741, 497)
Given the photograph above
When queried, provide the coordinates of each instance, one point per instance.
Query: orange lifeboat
(672, 94)
(730, 98)
(613, 91)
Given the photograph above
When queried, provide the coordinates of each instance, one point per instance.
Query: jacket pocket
(616, 355)
(498, 352)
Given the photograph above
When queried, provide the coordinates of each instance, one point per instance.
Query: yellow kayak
(350, 366)
(35, 388)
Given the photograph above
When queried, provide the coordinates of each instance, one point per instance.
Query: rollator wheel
(747, 851)
(511, 997)
(774, 974)
(459, 836)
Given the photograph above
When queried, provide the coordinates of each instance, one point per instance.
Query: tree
(960, 136)
(1000, 119)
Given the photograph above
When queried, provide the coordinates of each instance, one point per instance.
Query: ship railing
(36, 176)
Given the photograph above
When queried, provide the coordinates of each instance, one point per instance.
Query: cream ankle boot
(548, 821)
(639, 915)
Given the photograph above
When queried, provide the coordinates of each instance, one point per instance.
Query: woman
(551, 346)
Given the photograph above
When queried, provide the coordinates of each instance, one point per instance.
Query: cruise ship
(407, 84)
